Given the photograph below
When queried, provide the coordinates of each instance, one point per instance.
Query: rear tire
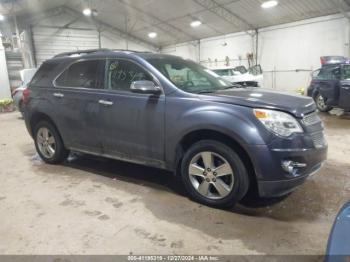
(321, 104)
(214, 174)
(49, 144)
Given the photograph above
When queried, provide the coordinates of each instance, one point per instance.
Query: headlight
(281, 124)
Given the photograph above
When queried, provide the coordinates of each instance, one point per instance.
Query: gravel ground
(98, 206)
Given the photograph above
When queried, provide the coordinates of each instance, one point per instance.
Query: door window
(346, 72)
(81, 74)
(121, 73)
(329, 73)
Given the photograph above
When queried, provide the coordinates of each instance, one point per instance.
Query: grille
(319, 140)
(311, 119)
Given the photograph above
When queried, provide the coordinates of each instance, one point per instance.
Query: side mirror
(145, 87)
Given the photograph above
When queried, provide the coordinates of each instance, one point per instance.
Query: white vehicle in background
(240, 75)
(17, 94)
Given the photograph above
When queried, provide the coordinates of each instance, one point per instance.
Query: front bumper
(280, 188)
(273, 180)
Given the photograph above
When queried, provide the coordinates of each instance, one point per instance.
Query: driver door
(132, 124)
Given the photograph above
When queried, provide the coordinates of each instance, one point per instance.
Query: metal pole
(99, 39)
(199, 51)
(126, 31)
(256, 45)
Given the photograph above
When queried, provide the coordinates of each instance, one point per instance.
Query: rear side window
(81, 74)
(44, 75)
(121, 73)
(315, 74)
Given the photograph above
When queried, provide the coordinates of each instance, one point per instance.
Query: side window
(44, 75)
(329, 73)
(346, 72)
(121, 73)
(81, 74)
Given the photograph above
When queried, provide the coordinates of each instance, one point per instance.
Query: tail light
(25, 94)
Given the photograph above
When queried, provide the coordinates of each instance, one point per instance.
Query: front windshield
(241, 69)
(190, 76)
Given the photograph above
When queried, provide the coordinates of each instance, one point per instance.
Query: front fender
(236, 122)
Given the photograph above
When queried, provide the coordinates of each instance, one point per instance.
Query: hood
(263, 98)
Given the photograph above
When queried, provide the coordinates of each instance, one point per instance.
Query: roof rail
(90, 51)
(130, 51)
(79, 52)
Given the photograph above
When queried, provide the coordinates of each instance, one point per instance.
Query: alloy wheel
(321, 102)
(211, 175)
(46, 142)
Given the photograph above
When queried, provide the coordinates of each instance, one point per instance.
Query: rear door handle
(59, 95)
(105, 103)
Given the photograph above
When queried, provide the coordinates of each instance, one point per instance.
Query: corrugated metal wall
(51, 41)
(14, 66)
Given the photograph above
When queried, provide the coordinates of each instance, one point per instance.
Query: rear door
(344, 99)
(77, 109)
(132, 125)
(327, 84)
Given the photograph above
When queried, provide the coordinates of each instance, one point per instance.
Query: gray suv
(170, 113)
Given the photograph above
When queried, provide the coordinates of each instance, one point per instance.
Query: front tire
(214, 174)
(49, 144)
(321, 104)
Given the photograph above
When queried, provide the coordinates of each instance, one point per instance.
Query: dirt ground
(99, 206)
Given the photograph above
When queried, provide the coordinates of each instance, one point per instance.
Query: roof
(172, 21)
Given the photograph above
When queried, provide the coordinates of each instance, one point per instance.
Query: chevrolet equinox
(170, 113)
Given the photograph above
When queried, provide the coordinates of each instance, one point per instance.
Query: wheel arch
(39, 116)
(207, 134)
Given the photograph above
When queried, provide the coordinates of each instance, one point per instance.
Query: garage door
(52, 41)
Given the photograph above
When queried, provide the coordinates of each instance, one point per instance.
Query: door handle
(59, 95)
(105, 103)
(346, 87)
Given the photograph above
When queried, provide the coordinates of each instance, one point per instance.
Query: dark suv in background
(330, 85)
(170, 113)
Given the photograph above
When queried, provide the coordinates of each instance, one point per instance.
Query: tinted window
(44, 76)
(346, 72)
(329, 73)
(81, 74)
(121, 73)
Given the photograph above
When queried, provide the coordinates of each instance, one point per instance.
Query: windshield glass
(222, 72)
(189, 76)
(241, 69)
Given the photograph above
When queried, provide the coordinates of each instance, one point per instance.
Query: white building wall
(50, 40)
(111, 41)
(293, 49)
(288, 53)
(5, 91)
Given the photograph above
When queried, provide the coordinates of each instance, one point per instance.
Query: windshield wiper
(206, 92)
